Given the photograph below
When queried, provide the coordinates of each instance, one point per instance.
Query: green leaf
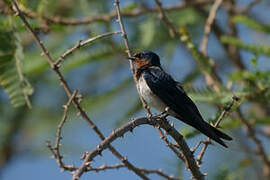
(254, 62)
(11, 77)
(251, 23)
(256, 49)
(129, 7)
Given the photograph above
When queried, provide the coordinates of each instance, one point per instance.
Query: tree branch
(55, 150)
(145, 171)
(170, 145)
(81, 43)
(208, 25)
(154, 121)
(107, 17)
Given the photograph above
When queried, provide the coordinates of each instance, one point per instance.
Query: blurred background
(31, 98)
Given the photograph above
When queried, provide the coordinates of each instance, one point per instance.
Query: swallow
(163, 93)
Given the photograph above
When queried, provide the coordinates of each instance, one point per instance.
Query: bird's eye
(139, 55)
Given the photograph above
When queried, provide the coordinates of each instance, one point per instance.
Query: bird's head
(145, 59)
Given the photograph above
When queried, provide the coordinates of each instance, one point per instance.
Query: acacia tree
(236, 86)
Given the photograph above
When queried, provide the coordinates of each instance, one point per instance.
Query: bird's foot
(165, 113)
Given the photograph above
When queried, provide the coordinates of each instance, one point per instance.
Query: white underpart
(151, 99)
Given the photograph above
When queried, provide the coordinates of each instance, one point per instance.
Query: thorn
(88, 163)
(83, 156)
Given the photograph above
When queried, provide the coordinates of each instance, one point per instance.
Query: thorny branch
(80, 44)
(74, 100)
(55, 149)
(160, 121)
(171, 145)
(145, 171)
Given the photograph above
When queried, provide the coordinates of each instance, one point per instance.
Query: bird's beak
(132, 58)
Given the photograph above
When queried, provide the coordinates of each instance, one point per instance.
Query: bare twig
(208, 24)
(106, 167)
(172, 29)
(55, 150)
(208, 141)
(81, 43)
(68, 92)
(145, 171)
(107, 17)
(158, 172)
(170, 145)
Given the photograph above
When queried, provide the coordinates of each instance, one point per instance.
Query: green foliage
(11, 77)
(251, 23)
(256, 49)
(186, 17)
(208, 95)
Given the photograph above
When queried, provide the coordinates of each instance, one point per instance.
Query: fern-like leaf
(256, 49)
(11, 77)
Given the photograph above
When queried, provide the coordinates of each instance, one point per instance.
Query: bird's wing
(171, 93)
(174, 96)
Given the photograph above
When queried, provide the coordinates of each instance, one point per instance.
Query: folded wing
(174, 96)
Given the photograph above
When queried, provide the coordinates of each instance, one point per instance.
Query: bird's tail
(212, 132)
(208, 130)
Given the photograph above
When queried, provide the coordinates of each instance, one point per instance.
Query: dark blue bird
(160, 91)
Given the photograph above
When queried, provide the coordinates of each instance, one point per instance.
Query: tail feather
(213, 133)
(210, 131)
(221, 134)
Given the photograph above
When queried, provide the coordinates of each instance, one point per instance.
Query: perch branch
(154, 121)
